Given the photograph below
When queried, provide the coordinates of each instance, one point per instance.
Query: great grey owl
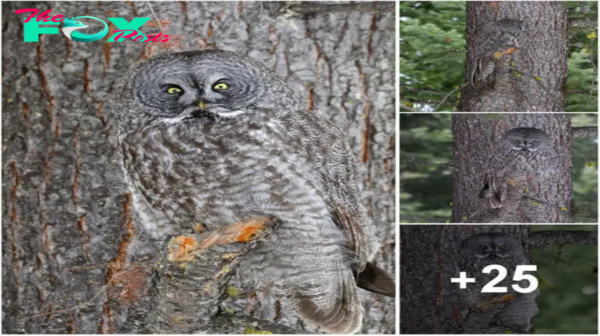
(522, 155)
(217, 138)
(495, 312)
(492, 38)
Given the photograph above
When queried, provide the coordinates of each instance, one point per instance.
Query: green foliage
(568, 279)
(431, 39)
(426, 189)
(426, 176)
(583, 82)
(432, 55)
(585, 171)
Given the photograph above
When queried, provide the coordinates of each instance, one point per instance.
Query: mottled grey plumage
(219, 154)
(493, 312)
(522, 154)
(492, 38)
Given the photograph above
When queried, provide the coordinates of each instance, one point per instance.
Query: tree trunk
(431, 303)
(526, 68)
(475, 137)
(68, 220)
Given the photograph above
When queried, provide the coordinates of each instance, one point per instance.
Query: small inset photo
(498, 279)
(498, 168)
(491, 56)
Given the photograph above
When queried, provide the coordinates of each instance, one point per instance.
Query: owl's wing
(500, 173)
(329, 155)
(490, 189)
(349, 215)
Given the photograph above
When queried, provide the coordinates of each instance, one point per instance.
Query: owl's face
(492, 245)
(525, 139)
(512, 27)
(180, 87)
(491, 250)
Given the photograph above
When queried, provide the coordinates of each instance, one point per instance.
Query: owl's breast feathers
(206, 167)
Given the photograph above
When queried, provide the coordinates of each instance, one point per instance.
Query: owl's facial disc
(209, 84)
(195, 97)
(194, 88)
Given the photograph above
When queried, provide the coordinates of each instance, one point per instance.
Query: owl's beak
(202, 105)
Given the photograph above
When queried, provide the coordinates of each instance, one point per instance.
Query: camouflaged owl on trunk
(218, 138)
(493, 38)
(495, 313)
(522, 156)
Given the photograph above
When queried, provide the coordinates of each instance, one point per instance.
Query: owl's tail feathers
(376, 280)
(344, 316)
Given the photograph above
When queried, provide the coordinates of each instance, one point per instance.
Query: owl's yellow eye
(174, 90)
(220, 86)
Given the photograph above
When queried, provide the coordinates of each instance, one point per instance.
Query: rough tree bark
(430, 303)
(475, 136)
(529, 75)
(67, 215)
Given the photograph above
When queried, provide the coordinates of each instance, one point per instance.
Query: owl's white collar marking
(230, 114)
(524, 149)
(174, 120)
(187, 114)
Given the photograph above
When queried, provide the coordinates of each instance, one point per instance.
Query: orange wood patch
(248, 230)
(182, 248)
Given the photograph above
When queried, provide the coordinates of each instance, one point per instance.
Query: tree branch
(583, 23)
(561, 237)
(430, 102)
(428, 92)
(191, 276)
(585, 132)
(446, 97)
(402, 106)
(414, 161)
